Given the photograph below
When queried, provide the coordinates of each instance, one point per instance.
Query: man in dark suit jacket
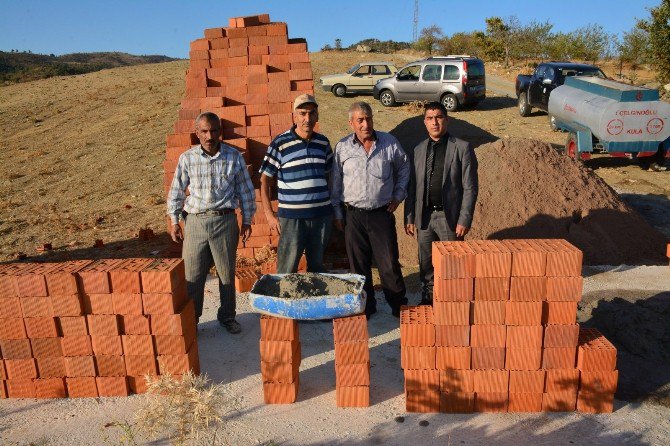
(442, 191)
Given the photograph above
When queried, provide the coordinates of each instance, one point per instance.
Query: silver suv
(454, 80)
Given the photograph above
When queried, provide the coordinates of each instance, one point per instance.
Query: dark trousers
(298, 235)
(368, 234)
(437, 229)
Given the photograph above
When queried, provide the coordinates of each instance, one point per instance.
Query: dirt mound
(528, 190)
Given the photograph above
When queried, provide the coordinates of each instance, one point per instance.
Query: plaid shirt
(215, 183)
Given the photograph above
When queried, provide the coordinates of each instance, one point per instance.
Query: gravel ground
(314, 419)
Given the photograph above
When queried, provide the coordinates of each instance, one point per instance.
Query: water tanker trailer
(612, 117)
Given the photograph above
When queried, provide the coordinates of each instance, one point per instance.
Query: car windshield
(354, 68)
(563, 72)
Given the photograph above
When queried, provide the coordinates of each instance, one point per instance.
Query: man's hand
(392, 206)
(410, 229)
(246, 232)
(461, 231)
(339, 224)
(176, 233)
(273, 222)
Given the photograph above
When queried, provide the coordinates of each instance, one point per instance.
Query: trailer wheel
(524, 105)
(571, 146)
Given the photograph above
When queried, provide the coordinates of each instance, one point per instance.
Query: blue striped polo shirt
(302, 167)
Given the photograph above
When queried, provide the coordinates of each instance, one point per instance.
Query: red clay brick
(137, 384)
(354, 396)
(523, 358)
(72, 326)
(127, 303)
(417, 334)
(451, 313)
(595, 352)
(491, 401)
(245, 278)
(214, 33)
(488, 357)
(81, 387)
(562, 380)
(103, 325)
(35, 306)
(41, 327)
(76, 366)
(492, 288)
(457, 402)
(455, 380)
(175, 324)
(21, 368)
(525, 402)
(598, 381)
(347, 375)
(492, 258)
(280, 372)
(564, 289)
(279, 351)
(561, 335)
(46, 347)
(50, 388)
(76, 345)
(138, 345)
(528, 258)
(51, 367)
(199, 44)
(110, 365)
(67, 305)
(141, 365)
(488, 336)
(524, 336)
(180, 364)
(352, 352)
(350, 329)
(112, 386)
(595, 402)
(562, 401)
(31, 281)
(563, 259)
(280, 393)
(173, 345)
(10, 307)
(12, 328)
(453, 260)
(559, 313)
(62, 278)
(526, 381)
(421, 379)
(418, 357)
(452, 358)
(528, 289)
(125, 276)
(423, 401)
(558, 358)
(489, 312)
(523, 313)
(107, 345)
(452, 335)
(490, 380)
(16, 349)
(98, 303)
(21, 388)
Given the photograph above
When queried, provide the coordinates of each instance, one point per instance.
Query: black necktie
(429, 167)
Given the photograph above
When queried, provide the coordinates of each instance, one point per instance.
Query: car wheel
(386, 98)
(571, 146)
(450, 102)
(524, 105)
(339, 90)
(553, 124)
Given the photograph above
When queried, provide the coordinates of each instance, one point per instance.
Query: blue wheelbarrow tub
(312, 308)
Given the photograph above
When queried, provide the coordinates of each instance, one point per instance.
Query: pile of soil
(529, 190)
(302, 285)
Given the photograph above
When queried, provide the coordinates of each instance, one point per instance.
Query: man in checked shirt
(369, 179)
(218, 181)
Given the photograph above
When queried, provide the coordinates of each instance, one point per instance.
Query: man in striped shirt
(301, 160)
(218, 182)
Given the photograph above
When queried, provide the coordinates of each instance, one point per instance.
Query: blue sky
(166, 26)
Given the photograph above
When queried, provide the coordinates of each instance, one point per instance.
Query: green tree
(501, 37)
(589, 43)
(634, 47)
(338, 44)
(429, 39)
(462, 43)
(658, 29)
(532, 40)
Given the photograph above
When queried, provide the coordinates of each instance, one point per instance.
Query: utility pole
(415, 30)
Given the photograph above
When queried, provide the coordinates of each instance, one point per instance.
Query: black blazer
(459, 184)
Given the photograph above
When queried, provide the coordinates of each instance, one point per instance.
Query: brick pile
(248, 73)
(93, 328)
(502, 333)
(280, 359)
(352, 361)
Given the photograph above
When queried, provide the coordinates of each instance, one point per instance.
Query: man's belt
(354, 208)
(435, 208)
(225, 211)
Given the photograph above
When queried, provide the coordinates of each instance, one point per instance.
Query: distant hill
(24, 67)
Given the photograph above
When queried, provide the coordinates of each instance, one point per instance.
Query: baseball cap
(304, 99)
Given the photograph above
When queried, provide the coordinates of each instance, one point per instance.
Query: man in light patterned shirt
(218, 182)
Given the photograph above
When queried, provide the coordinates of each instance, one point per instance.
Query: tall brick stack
(88, 329)
(352, 361)
(280, 359)
(501, 335)
(248, 73)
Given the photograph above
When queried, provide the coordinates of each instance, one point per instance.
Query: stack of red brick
(502, 333)
(280, 359)
(87, 329)
(352, 361)
(248, 74)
